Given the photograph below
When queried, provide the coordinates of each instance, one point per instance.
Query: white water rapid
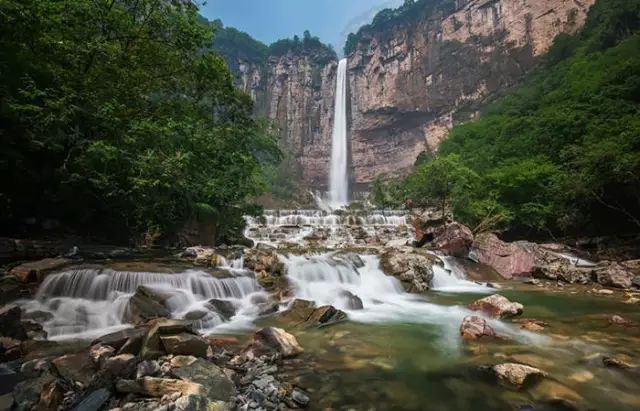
(338, 178)
(332, 279)
(87, 303)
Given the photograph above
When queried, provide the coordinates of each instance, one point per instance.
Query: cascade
(90, 302)
(338, 179)
(332, 279)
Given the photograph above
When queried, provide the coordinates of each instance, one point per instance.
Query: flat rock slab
(37, 270)
(214, 382)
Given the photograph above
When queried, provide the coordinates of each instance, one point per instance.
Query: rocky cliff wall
(297, 93)
(410, 82)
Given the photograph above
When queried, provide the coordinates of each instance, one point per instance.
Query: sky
(271, 20)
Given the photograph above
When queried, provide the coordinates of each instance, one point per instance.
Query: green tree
(116, 120)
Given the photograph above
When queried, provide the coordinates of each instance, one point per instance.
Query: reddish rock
(474, 328)
(37, 270)
(508, 259)
(497, 306)
(75, 367)
(51, 396)
(453, 239)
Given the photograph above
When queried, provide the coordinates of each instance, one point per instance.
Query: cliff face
(411, 82)
(297, 93)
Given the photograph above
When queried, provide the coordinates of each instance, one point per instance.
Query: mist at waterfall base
(338, 177)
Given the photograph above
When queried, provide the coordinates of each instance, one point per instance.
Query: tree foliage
(115, 119)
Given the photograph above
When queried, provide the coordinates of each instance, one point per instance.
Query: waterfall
(338, 180)
(86, 303)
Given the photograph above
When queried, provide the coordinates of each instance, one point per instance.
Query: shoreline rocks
(497, 306)
(475, 328)
(412, 267)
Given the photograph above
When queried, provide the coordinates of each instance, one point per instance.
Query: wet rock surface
(412, 267)
(497, 306)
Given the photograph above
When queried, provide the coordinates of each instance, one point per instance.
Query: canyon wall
(297, 92)
(409, 82)
(412, 82)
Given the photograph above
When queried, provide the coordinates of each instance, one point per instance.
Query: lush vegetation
(309, 44)
(236, 46)
(388, 19)
(559, 155)
(116, 120)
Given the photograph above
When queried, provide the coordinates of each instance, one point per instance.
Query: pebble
(604, 291)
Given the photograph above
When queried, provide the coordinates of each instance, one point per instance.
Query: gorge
(461, 235)
(409, 81)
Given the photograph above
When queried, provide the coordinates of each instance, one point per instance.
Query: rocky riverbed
(359, 321)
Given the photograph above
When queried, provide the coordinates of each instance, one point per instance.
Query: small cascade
(335, 229)
(451, 278)
(90, 302)
(331, 279)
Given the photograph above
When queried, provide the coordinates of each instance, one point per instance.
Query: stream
(398, 350)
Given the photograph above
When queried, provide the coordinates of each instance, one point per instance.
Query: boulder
(203, 255)
(10, 289)
(94, 401)
(412, 268)
(517, 375)
(216, 386)
(51, 396)
(304, 314)
(453, 239)
(185, 344)
(27, 393)
(158, 387)
(225, 308)
(271, 340)
(147, 304)
(264, 259)
(353, 302)
(614, 275)
(475, 328)
(497, 306)
(75, 367)
(10, 349)
(10, 322)
(127, 341)
(99, 353)
(508, 259)
(200, 403)
(151, 345)
(35, 271)
(121, 366)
